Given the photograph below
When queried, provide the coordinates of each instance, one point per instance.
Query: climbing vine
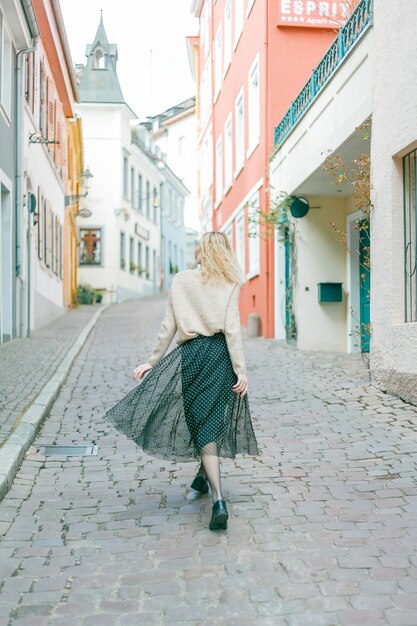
(356, 175)
(278, 222)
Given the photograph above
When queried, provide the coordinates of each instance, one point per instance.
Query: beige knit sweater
(197, 308)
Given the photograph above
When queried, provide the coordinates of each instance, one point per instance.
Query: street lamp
(86, 175)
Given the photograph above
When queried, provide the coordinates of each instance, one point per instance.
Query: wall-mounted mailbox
(330, 292)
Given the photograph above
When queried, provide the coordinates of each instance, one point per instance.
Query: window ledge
(253, 274)
(227, 188)
(251, 150)
(7, 116)
(248, 12)
(226, 69)
(236, 43)
(239, 169)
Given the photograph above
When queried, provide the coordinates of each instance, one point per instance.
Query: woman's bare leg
(211, 465)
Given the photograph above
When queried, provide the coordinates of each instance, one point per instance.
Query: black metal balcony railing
(348, 36)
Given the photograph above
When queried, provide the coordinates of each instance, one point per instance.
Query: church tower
(98, 78)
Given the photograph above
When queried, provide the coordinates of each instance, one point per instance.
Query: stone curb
(16, 446)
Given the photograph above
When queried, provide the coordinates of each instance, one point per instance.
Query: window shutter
(51, 114)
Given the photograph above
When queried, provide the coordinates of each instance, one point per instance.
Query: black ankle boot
(219, 516)
(200, 484)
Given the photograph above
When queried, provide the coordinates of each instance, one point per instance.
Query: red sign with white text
(313, 13)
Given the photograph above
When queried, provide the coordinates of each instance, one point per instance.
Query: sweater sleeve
(233, 333)
(165, 336)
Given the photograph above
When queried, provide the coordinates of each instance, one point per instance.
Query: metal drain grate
(90, 450)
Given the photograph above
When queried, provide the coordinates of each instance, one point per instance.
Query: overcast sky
(137, 27)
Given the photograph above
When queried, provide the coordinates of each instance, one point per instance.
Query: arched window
(99, 60)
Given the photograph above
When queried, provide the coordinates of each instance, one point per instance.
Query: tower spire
(99, 81)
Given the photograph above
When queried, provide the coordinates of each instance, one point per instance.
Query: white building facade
(322, 287)
(120, 231)
(394, 214)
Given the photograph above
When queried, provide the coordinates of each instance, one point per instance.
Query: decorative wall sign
(313, 13)
(142, 232)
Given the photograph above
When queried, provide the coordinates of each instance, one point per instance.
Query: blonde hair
(217, 259)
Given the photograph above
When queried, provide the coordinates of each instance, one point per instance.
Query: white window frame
(254, 107)
(218, 61)
(249, 7)
(6, 69)
(205, 92)
(228, 153)
(219, 171)
(240, 241)
(254, 241)
(227, 39)
(239, 133)
(229, 233)
(239, 11)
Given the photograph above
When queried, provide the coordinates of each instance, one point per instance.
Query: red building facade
(253, 58)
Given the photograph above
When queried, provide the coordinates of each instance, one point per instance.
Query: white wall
(106, 133)
(320, 258)
(47, 297)
(184, 163)
(394, 133)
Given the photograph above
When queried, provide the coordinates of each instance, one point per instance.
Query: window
(410, 238)
(254, 235)
(249, 7)
(219, 170)
(147, 264)
(155, 205)
(148, 200)
(239, 132)
(181, 145)
(61, 260)
(48, 234)
(132, 187)
(229, 233)
(240, 241)
(41, 217)
(99, 60)
(140, 266)
(206, 164)
(228, 154)
(205, 91)
(132, 265)
(122, 251)
(5, 68)
(43, 109)
(227, 46)
(239, 16)
(218, 66)
(90, 246)
(30, 80)
(125, 177)
(140, 193)
(254, 106)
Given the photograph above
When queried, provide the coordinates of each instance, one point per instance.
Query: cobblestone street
(323, 526)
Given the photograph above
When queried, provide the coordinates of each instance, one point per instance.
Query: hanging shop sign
(313, 13)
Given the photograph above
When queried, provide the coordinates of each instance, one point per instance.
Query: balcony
(349, 36)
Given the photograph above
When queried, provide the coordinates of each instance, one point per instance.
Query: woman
(193, 403)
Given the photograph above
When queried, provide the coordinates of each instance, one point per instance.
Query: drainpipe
(18, 182)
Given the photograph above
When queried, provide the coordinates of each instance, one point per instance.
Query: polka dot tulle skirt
(185, 406)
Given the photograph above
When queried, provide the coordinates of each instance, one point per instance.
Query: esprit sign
(313, 13)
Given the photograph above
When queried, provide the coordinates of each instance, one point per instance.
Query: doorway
(6, 289)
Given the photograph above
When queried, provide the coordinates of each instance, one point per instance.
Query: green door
(364, 283)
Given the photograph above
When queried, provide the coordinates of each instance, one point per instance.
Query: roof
(172, 112)
(100, 83)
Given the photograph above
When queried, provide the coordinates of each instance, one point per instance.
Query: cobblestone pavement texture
(26, 365)
(323, 526)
